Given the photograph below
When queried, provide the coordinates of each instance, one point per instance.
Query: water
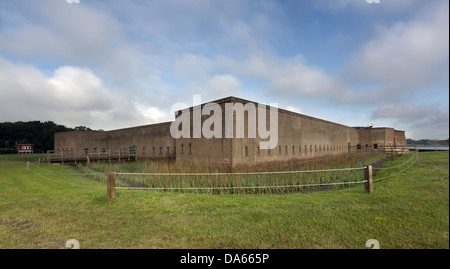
(429, 148)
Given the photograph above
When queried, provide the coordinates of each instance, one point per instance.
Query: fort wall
(300, 137)
(150, 141)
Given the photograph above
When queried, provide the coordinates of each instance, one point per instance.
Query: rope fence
(248, 187)
(262, 186)
(241, 173)
(393, 167)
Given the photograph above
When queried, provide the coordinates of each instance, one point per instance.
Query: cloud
(124, 61)
(294, 77)
(406, 56)
(59, 30)
(192, 67)
(294, 109)
(224, 85)
(71, 95)
(369, 7)
(421, 121)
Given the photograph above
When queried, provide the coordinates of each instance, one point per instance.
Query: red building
(24, 146)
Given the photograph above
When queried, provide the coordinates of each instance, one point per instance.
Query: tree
(82, 128)
(38, 133)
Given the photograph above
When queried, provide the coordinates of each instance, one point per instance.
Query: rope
(259, 187)
(397, 165)
(378, 179)
(240, 173)
(249, 187)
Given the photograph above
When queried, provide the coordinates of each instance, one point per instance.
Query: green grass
(409, 210)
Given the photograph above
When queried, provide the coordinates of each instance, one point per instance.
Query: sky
(122, 63)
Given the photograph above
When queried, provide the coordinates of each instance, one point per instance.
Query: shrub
(8, 150)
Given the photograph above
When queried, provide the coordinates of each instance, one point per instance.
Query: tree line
(38, 133)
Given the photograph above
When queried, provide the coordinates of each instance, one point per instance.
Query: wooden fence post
(368, 177)
(417, 155)
(111, 184)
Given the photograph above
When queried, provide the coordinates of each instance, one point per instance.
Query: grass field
(45, 208)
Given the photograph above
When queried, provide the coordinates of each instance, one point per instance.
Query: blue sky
(116, 64)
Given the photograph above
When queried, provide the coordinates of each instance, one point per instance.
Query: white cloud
(215, 87)
(152, 114)
(59, 30)
(288, 76)
(294, 109)
(369, 7)
(293, 76)
(405, 56)
(192, 67)
(112, 65)
(421, 121)
(71, 95)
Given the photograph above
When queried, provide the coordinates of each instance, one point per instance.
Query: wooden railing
(62, 156)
